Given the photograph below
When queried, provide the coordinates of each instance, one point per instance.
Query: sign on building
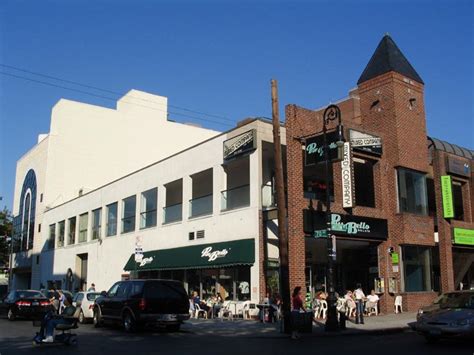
(365, 142)
(314, 152)
(239, 145)
(346, 175)
(447, 194)
(463, 236)
(458, 166)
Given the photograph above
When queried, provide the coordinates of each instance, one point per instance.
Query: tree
(6, 229)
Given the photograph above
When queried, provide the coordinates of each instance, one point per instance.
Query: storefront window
(242, 280)
(420, 268)
(412, 195)
(226, 284)
(193, 279)
(209, 278)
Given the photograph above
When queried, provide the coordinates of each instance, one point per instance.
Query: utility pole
(281, 205)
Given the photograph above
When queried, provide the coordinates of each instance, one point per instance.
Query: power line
(111, 99)
(110, 91)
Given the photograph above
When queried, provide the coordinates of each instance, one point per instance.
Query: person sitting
(372, 301)
(51, 321)
(201, 304)
(216, 307)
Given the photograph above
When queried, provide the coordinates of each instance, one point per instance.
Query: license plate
(435, 332)
(35, 304)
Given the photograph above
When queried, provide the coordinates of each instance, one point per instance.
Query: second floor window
(412, 194)
(128, 215)
(458, 201)
(52, 236)
(72, 231)
(61, 231)
(96, 223)
(112, 219)
(364, 182)
(148, 208)
(83, 221)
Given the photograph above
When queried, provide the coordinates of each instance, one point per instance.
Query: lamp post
(331, 113)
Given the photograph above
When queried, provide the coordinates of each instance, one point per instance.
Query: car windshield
(28, 294)
(462, 300)
(92, 296)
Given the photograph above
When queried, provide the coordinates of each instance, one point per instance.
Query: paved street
(15, 338)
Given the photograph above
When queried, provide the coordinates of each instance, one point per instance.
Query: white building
(202, 214)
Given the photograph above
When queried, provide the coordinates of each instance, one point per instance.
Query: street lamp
(331, 113)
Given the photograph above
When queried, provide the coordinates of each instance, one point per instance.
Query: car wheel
(10, 315)
(97, 319)
(173, 327)
(128, 322)
(82, 319)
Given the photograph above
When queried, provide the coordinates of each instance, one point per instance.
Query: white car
(85, 300)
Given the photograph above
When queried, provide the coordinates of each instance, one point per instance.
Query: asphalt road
(16, 338)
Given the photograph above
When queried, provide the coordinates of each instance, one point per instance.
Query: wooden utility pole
(281, 205)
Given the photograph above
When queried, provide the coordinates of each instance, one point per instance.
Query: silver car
(453, 319)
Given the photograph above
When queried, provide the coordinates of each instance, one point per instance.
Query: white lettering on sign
(240, 142)
(349, 227)
(346, 168)
(366, 142)
(213, 255)
(319, 151)
(146, 261)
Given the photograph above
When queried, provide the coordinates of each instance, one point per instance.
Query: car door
(107, 301)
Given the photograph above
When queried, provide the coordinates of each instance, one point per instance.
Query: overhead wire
(110, 98)
(109, 91)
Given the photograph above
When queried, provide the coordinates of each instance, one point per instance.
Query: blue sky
(219, 56)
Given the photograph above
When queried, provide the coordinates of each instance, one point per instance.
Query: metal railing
(235, 198)
(200, 206)
(173, 213)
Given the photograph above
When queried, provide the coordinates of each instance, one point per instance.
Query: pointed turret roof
(388, 57)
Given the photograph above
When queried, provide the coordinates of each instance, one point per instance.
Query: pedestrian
(92, 288)
(297, 307)
(54, 299)
(359, 298)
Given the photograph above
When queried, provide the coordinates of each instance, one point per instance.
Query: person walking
(92, 288)
(359, 297)
(297, 307)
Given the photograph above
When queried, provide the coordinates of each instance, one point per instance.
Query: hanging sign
(395, 258)
(365, 142)
(447, 194)
(346, 174)
(239, 145)
(463, 236)
(314, 153)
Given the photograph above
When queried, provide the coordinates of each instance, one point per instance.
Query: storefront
(463, 258)
(207, 268)
(357, 242)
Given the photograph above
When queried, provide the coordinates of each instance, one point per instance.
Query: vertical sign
(447, 193)
(346, 167)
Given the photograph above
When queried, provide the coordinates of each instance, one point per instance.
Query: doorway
(81, 269)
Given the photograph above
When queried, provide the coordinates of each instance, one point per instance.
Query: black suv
(137, 303)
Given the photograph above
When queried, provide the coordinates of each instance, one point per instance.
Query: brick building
(395, 236)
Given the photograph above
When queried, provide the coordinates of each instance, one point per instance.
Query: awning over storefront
(238, 252)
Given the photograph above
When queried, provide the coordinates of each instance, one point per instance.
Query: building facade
(387, 201)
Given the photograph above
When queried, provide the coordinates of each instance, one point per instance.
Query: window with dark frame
(412, 194)
(112, 219)
(96, 223)
(431, 197)
(421, 268)
(458, 200)
(128, 215)
(364, 182)
(315, 184)
(148, 209)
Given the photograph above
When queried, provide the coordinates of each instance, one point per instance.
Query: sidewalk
(381, 324)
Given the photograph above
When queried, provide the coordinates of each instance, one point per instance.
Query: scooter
(66, 337)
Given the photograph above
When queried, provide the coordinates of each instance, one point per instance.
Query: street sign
(138, 258)
(320, 233)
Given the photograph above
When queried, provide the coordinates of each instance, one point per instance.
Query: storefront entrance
(356, 262)
(463, 267)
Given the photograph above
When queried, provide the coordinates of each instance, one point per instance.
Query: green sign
(447, 193)
(463, 236)
(395, 258)
(320, 233)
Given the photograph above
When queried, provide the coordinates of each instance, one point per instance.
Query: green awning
(202, 256)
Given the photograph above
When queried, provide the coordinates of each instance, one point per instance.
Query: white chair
(225, 312)
(199, 310)
(351, 308)
(323, 309)
(371, 308)
(398, 304)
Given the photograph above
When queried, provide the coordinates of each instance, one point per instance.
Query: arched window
(24, 223)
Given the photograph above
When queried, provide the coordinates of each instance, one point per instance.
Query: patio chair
(371, 308)
(225, 312)
(351, 308)
(199, 310)
(398, 304)
(323, 309)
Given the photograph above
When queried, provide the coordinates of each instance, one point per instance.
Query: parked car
(440, 300)
(453, 319)
(50, 294)
(85, 300)
(25, 304)
(137, 303)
